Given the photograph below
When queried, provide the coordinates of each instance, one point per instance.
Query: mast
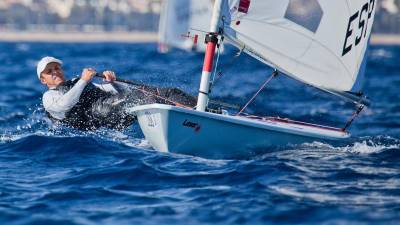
(212, 41)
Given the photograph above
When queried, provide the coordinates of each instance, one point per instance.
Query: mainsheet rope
(274, 74)
(141, 89)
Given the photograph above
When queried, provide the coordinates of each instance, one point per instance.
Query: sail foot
(355, 98)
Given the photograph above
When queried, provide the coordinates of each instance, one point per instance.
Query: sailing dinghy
(320, 43)
(178, 18)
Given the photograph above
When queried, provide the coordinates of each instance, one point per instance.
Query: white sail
(319, 42)
(178, 17)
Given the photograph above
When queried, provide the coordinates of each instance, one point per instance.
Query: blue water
(62, 176)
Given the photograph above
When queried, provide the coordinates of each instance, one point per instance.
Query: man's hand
(88, 74)
(109, 76)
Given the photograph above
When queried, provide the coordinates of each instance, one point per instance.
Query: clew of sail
(319, 42)
(178, 17)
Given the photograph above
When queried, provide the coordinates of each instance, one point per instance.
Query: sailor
(81, 104)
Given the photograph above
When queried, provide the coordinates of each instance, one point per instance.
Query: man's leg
(111, 112)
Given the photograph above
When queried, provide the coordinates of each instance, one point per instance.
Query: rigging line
(229, 65)
(353, 117)
(215, 69)
(216, 66)
(140, 88)
(221, 32)
(198, 30)
(274, 74)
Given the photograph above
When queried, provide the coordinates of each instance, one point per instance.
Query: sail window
(306, 13)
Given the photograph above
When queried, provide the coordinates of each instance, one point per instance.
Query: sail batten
(320, 43)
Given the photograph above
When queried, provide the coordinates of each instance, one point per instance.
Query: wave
(362, 145)
(58, 175)
(48, 140)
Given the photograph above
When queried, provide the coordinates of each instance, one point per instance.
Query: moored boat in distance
(184, 24)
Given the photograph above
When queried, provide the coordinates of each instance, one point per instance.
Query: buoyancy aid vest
(83, 115)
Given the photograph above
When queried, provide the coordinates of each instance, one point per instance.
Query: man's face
(52, 75)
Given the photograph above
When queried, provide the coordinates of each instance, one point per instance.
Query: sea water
(56, 175)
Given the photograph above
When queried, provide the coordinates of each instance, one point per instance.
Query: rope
(228, 66)
(215, 69)
(353, 117)
(286, 120)
(141, 89)
(160, 97)
(274, 74)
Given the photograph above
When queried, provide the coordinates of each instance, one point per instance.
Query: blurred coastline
(127, 37)
(78, 37)
(385, 39)
(126, 21)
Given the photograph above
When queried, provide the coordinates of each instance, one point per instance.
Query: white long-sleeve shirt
(58, 103)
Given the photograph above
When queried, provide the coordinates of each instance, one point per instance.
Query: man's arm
(109, 76)
(57, 103)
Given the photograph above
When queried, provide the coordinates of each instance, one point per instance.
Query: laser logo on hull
(192, 125)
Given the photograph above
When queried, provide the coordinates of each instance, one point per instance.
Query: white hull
(185, 131)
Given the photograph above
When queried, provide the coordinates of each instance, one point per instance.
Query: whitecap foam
(137, 143)
(9, 137)
(123, 138)
(368, 147)
(317, 145)
(381, 53)
(318, 197)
